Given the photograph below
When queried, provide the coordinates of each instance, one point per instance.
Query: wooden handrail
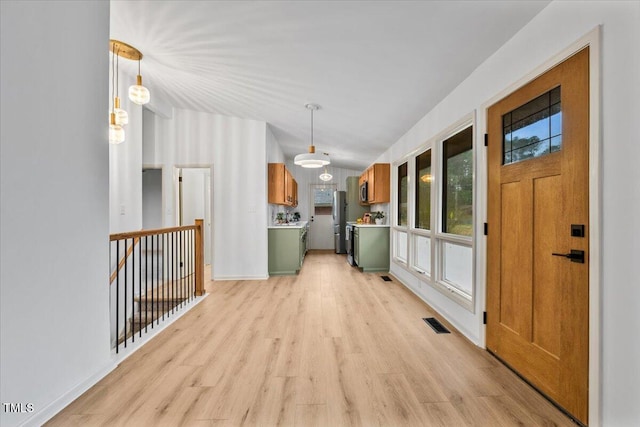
(142, 233)
(123, 260)
(199, 249)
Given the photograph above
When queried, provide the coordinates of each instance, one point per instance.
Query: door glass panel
(423, 190)
(403, 193)
(533, 129)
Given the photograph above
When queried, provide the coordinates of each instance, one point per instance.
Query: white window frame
(438, 238)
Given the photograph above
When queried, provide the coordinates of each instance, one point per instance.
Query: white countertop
(299, 224)
(370, 225)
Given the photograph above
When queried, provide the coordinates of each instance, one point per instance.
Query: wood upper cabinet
(378, 177)
(283, 189)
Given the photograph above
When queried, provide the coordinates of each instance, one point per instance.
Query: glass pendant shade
(139, 94)
(122, 117)
(116, 132)
(326, 176)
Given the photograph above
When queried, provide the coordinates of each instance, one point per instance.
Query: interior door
(538, 252)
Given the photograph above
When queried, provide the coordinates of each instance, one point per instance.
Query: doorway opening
(193, 188)
(152, 198)
(320, 216)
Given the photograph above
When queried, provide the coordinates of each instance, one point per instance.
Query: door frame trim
(176, 203)
(593, 40)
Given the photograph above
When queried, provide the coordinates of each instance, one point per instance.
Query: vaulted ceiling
(374, 67)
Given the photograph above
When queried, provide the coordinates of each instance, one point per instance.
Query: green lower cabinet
(371, 248)
(287, 247)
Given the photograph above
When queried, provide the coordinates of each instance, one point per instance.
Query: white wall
(54, 204)
(554, 29)
(237, 150)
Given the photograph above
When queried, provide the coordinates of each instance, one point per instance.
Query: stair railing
(158, 273)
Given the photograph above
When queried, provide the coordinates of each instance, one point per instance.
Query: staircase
(155, 274)
(153, 308)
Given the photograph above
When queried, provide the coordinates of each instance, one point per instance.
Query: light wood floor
(329, 347)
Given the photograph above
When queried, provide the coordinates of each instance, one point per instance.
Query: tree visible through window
(423, 190)
(457, 192)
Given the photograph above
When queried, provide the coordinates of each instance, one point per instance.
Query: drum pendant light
(312, 159)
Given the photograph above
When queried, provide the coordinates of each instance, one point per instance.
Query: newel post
(199, 258)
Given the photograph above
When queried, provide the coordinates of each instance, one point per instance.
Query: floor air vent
(386, 278)
(436, 325)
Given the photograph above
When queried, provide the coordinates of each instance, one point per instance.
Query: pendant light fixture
(312, 159)
(138, 93)
(116, 132)
(326, 176)
(122, 117)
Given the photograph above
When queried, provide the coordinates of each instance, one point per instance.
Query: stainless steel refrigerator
(339, 221)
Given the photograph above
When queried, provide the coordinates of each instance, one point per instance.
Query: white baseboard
(132, 347)
(63, 401)
(48, 412)
(241, 277)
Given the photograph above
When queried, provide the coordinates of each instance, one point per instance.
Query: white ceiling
(374, 67)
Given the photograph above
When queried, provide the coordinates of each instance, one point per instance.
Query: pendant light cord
(118, 73)
(113, 83)
(312, 127)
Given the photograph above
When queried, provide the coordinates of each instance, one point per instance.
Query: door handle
(574, 256)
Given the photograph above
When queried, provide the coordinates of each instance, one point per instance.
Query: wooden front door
(538, 207)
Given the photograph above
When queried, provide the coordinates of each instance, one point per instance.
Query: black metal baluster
(117, 295)
(124, 306)
(181, 267)
(164, 276)
(160, 253)
(173, 271)
(146, 286)
(133, 289)
(193, 262)
(189, 256)
(140, 285)
(153, 298)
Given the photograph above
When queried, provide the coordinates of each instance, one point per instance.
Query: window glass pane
(423, 254)
(533, 129)
(458, 266)
(403, 193)
(401, 246)
(423, 190)
(457, 192)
